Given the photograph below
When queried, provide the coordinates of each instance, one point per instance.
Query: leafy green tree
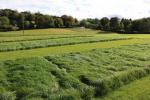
(4, 21)
(21, 20)
(14, 20)
(83, 23)
(30, 20)
(145, 26)
(11, 14)
(90, 23)
(141, 25)
(28, 16)
(68, 21)
(58, 22)
(27, 24)
(5, 25)
(44, 21)
(127, 24)
(104, 23)
(32, 24)
(76, 22)
(114, 24)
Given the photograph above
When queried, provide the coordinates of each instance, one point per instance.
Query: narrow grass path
(68, 49)
(137, 90)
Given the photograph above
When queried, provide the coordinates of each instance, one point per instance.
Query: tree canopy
(15, 20)
(116, 24)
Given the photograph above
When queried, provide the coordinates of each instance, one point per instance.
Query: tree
(76, 22)
(114, 24)
(51, 22)
(127, 24)
(104, 23)
(145, 26)
(11, 14)
(32, 24)
(83, 23)
(26, 24)
(58, 22)
(29, 16)
(28, 20)
(90, 23)
(4, 21)
(14, 20)
(5, 25)
(68, 21)
(141, 25)
(44, 21)
(21, 20)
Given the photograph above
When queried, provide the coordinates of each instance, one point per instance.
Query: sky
(80, 9)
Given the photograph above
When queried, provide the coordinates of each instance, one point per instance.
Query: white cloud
(83, 8)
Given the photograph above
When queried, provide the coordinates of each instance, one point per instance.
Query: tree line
(11, 20)
(115, 24)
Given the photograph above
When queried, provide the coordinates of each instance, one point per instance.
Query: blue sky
(83, 8)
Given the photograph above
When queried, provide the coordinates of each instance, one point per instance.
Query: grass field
(74, 64)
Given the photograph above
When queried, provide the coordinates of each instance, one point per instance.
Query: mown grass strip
(68, 49)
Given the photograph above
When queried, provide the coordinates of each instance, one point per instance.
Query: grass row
(31, 38)
(73, 76)
(23, 45)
